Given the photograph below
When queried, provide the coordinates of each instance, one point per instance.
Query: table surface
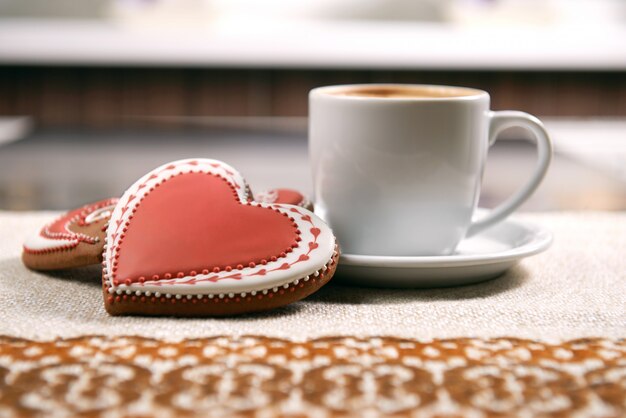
(576, 289)
(545, 339)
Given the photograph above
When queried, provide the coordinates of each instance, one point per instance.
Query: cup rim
(325, 91)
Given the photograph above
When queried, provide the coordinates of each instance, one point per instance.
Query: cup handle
(499, 121)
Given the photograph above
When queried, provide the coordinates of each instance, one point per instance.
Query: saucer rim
(542, 239)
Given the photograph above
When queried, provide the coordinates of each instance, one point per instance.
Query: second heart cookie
(74, 239)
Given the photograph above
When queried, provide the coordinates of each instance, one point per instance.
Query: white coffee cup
(397, 168)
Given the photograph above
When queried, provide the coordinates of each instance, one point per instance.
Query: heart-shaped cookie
(187, 240)
(74, 239)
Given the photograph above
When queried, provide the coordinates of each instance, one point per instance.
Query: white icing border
(271, 281)
(37, 242)
(267, 196)
(99, 214)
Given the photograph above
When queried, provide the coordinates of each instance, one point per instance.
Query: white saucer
(482, 257)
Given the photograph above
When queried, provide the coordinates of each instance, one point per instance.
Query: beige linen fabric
(576, 289)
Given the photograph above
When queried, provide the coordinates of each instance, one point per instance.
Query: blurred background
(95, 93)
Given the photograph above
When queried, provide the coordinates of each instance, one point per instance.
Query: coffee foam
(405, 91)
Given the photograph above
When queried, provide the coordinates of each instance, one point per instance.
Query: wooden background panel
(114, 97)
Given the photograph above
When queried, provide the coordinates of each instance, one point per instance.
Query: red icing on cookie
(194, 222)
(283, 196)
(59, 226)
(288, 196)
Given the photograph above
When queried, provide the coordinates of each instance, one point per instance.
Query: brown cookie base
(210, 307)
(80, 255)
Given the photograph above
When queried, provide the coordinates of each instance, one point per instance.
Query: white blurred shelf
(313, 44)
